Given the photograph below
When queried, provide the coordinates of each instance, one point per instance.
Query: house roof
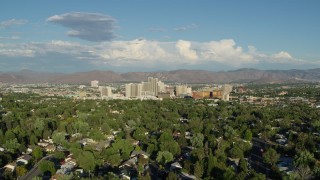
(26, 157)
(135, 153)
(176, 165)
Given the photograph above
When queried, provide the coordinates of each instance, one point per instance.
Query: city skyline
(128, 36)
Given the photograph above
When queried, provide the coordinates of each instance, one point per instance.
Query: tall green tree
(197, 140)
(87, 161)
(46, 165)
(247, 135)
(271, 156)
(37, 153)
(12, 145)
(164, 157)
(198, 169)
(304, 158)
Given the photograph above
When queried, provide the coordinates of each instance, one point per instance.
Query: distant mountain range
(182, 76)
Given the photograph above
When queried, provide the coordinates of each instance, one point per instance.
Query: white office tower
(105, 91)
(189, 90)
(161, 87)
(94, 83)
(153, 85)
(150, 88)
(133, 90)
(183, 90)
(226, 90)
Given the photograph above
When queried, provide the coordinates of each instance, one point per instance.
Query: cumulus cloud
(282, 55)
(88, 26)
(225, 51)
(12, 22)
(184, 48)
(148, 53)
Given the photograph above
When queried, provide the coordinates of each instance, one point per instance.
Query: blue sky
(141, 35)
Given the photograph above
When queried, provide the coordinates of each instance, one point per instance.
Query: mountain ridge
(244, 75)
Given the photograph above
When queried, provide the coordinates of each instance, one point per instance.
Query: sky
(149, 35)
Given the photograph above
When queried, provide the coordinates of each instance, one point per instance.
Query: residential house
(24, 159)
(68, 165)
(233, 162)
(140, 154)
(10, 167)
(186, 176)
(50, 148)
(175, 166)
(129, 163)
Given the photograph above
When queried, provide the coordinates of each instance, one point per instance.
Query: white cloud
(282, 55)
(17, 52)
(147, 53)
(226, 52)
(139, 50)
(184, 48)
(10, 38)
(88, 26)
(12, 22)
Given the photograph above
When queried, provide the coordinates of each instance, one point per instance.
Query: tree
(171, 146)
(124, 147)
(59, 155)
(229, 174)
(236, 152)
(229, 132)
(172, 176)
(304, 172)
(9, 135)
(37, 153)
(304, 158)
(21, 171)
(39, 124)
(164, 157)
(316, 170)
(47, 166)
(86, 160)
(58, 137)
(12, 145)
(257, 176)
(243, 165)
(198, 169)
(212, 162)
(271, 156)
(33, 139)
(197, 140)
(81, 127)
(247, 135)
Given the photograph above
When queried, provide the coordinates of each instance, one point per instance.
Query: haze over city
(126, 36)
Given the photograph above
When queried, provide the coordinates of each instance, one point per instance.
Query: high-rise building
(150, 87)
(226, 90)
(133, 90)
(105, 91)
(161, 87)
(94, 83)
(183, 90)
(153, 85)
(128, 90)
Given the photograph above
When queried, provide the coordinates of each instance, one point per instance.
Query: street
(35, 171)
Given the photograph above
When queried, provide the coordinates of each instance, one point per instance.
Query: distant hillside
(183, 76)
